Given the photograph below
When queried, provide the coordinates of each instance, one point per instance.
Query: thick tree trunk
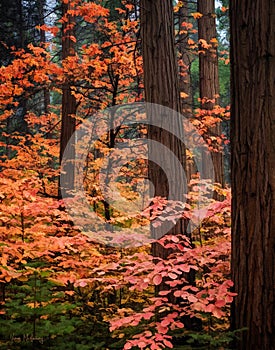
(208, 59)
(68, 122)
(158, 51)
(208, 76)
(253, 176)
(162, 88)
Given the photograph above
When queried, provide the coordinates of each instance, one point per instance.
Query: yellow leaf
(178, 6)
(214, 40)
(190, 42)
(120, 11)
(183, 95)
(196, 15)
(129, 7)
(22, 278)
(204, 44)
(44, 317)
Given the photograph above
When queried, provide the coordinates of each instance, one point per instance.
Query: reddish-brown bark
(253, 176)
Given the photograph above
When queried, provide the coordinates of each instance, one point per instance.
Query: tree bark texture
(162, 88)
(185, 56)
(253, 175)
(209, 77)
(68, 122)
(158, 51)
(208, 58)
(41, 13)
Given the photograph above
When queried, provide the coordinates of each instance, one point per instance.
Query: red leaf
(161, 329)
(164, 292)
(184, 268)
(168, 343)
(172, 275)
(165, 322)
(141, 344)
(177, 293)
(82, 284)
(220, 303)
(179, 324)
(148, 315)
(192, 298)
(175, 239)
(73, 38)
(157, 279)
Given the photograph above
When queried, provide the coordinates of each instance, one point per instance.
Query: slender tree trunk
(22, 29)
(161, 88)
(185, 56)
(208, 76)
(68, 122)
(41, 13)
(253, 176)
(185, 84)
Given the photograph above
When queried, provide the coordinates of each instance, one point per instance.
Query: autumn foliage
(61, 288)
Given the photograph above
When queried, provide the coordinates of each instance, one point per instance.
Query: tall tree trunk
(161, 88)
(208, 76)
(185, 85)
(22, 30)
(253, 176)
(68, 122)
(41, 13)
(185, 56)
(208, 59)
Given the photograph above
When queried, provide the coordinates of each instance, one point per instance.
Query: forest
(137, 182)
